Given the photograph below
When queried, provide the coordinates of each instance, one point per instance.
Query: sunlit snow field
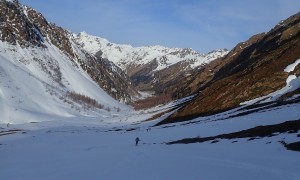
(90, 148)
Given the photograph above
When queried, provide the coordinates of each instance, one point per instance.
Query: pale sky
(203, 25)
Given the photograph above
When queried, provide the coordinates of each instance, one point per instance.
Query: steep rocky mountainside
(155, 69)
(21, 25)
(16, 27)
(152, 68)
(220, 80)
(203, 75)
(255, 68)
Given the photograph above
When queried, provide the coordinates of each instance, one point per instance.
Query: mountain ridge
(125, 54)
(251, 70)
(106, 75)
(256, 70)
(154, 69)
(45, 74)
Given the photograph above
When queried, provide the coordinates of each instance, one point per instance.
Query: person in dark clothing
(137, 141)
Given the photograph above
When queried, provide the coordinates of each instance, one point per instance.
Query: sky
(203, 25)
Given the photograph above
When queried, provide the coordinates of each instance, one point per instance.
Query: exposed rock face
(252, 69)
(24, 26)
(110, 78)
(16, 27)
(168, 79)
(165, 82)
(204, 74)
(55, 35)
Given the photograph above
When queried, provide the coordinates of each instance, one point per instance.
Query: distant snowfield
(88, 148)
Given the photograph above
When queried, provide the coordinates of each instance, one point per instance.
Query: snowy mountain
(126, 55)
(31, 91)
(45, 75)
(70, 74)
(264, 69)
(108, 76)
(138, 69)
(43, 48)
(154, 69)
(59, 117)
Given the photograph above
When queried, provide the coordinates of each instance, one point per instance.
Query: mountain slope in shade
(253, 69)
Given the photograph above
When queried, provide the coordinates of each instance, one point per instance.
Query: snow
(125, 55)
(25, 10)
(86, 149)
(30, 93)
(57, 141)
(144, 95)
(292, 84)
(291, 67)
(62, 139)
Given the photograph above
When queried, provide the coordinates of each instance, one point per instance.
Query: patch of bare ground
(295, 146)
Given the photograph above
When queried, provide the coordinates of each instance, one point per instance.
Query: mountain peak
(12, 1)
(83, 33)
(126, 55)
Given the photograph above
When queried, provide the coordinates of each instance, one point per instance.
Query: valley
(72, 105)
(80, 148)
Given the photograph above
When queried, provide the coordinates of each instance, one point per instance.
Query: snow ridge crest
(125, 55)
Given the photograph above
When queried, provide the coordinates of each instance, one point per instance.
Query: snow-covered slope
(45, 75)
(35, 85)
(78, 131)
(86, 149)
(125, 55)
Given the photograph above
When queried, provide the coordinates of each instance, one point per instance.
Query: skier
(148, 129)
(137, 139)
